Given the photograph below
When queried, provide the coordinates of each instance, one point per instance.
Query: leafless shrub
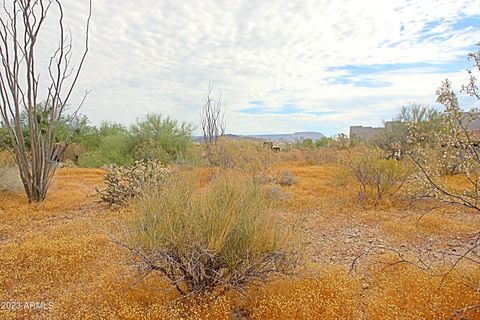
(275, 193)
(129, 182)
(20, 25)
(287, 178)
(321, 156)
(377, 177)
(460, 313)
(212, 118)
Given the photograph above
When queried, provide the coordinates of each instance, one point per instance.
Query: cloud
(281, 65)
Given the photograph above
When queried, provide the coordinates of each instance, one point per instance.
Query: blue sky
(281, 65)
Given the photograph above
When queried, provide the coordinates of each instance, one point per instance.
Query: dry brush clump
(77, 273)
(276, 194)
(249, 157)
(320, 156)
(287, 178)
(9, 174)
(125, 183)
(212, 239)
(376, 176)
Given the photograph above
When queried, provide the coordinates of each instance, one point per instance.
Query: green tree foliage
(323, 142)
(109, 144)
(70, 129)
(151, 138)
(306, 144)
(164, 139)
(417, 113)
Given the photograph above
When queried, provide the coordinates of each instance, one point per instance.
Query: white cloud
(159, 56)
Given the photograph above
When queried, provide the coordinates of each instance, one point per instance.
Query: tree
(308, 143)
(416, 113)
(458, 146)
(21, 86)
(164, 139)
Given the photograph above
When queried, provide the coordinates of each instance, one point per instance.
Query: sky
(281, 66)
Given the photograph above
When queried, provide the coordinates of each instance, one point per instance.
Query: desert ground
(361, 261)
(164, 160)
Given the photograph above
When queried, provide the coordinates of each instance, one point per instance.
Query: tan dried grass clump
(9, 174)
(223, 236)
(245, 156)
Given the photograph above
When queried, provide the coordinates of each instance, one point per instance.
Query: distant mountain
(287, 137)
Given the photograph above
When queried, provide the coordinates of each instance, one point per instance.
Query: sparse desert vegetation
(62, 251)
(326, 233)
(147, 221)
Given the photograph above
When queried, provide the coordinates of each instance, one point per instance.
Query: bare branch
(19, 90)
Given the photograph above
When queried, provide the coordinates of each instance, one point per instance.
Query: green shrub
(164, 139)
(112, 149)
(220, 237)
(112, 146)
(323, 142)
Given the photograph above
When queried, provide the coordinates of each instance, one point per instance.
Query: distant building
(364, 133)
